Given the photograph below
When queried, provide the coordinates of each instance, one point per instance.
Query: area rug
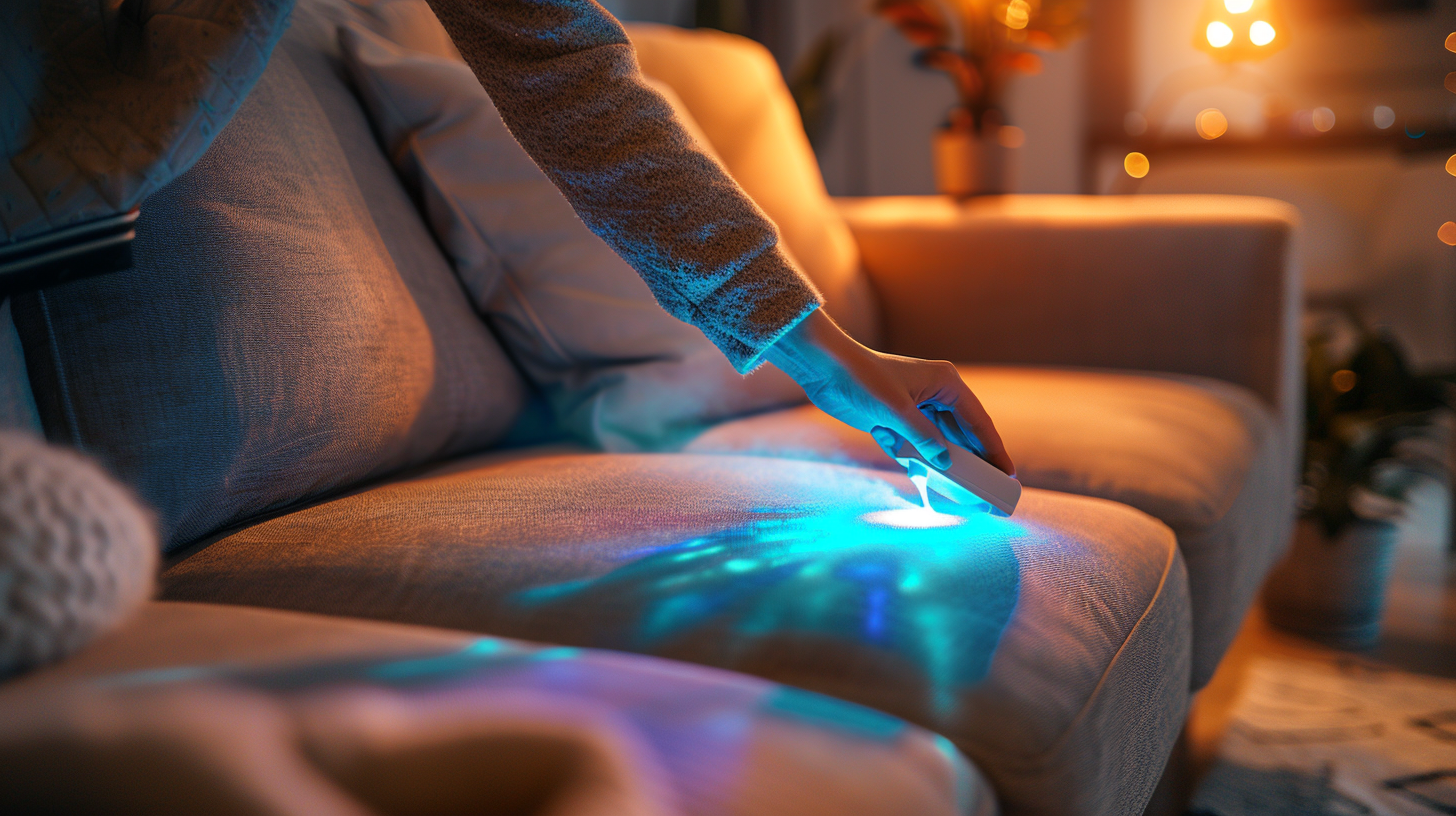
(1324, 739)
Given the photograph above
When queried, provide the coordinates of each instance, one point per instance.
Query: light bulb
(1261, 33)
(1219, 34)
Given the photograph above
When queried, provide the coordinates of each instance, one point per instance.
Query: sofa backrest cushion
(289, 330)
(735, 92)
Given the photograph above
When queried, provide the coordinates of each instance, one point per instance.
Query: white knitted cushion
(77, 552)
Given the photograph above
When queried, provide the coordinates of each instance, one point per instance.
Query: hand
(888, 396)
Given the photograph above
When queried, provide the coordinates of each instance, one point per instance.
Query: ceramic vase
(1332, 590)
(971, 164)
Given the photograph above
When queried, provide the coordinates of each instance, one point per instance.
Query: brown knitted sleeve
(566, 82)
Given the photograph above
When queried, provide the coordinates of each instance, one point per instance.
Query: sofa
(337, 446)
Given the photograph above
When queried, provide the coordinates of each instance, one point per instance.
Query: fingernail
(942, 460)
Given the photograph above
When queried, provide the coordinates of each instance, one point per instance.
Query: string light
(1261, 33)
(1447, 233)
(1219, 34)
(1136, 165)
(1211, 123)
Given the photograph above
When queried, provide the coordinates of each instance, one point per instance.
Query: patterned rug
(1320, 739)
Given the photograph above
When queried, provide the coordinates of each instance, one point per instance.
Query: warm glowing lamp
(1240, 30)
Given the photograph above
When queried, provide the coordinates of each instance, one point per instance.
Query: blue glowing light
(907, 586)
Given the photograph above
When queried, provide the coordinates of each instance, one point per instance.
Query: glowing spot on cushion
(912, 518)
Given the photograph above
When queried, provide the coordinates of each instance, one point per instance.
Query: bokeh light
(1451, 41)
(1261, 33)
(1323, 119)
(1343, 381)
(1451, 165)
(1011, 136)
(1451, 82)
(1219, 34)
(1238, 6)
(1211, 123)
(1383, 116)
(1447, 233)
(1018, 14)
(1136, 165)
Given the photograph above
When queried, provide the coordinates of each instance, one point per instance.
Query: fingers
(887, 439)
(951, 429)
(975, 421)
(923, 434)
(956, 398)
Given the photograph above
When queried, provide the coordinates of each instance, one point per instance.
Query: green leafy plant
(1373, 431)
(981, 44)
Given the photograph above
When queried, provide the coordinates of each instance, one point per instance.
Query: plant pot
(1333, 590)
(970, 164)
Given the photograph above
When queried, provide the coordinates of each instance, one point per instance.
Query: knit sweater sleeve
(566, 82)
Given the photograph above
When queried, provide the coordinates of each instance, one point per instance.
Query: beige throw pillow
(617, 370)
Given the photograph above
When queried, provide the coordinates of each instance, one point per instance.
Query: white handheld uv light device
(970, 480)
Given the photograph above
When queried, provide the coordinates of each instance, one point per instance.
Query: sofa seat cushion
(1051, 647)
(272, 699)
(1201, 455)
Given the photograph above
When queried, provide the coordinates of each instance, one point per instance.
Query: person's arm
(565, 79)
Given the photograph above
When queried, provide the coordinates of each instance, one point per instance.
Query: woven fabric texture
(289, 329)
(997, 633)
(308, 715)
(17, 402)
(77, 553)
(107, 102)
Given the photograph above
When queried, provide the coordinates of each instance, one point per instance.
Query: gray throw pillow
(290, 329)
(618, 370)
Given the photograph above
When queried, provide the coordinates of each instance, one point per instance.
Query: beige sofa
(1139, 356)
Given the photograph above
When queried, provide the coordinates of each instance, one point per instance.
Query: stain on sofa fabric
(289, 329)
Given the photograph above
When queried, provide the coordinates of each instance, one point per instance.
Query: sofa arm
(1186, 284)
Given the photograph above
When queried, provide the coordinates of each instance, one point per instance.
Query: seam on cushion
(1102, 681)
(67, 407)
(509, 279)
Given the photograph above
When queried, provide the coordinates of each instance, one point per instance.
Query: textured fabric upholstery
(289, 329)
(754, 127)
(619, 372)
(643, 737)
(107, 102)
(1203, 456)
(1205, 285)
(1051, 647)
(17, 403)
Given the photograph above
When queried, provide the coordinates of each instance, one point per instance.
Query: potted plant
(981, 44)
(1373, 431)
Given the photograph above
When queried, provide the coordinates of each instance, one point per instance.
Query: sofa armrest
(1186, 284)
